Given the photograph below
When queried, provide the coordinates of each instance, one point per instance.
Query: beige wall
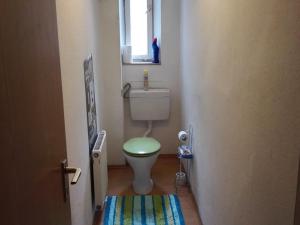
(241, 87)
(165, 75)
(77, 40)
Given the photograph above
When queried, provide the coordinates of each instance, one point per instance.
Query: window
(139, 28)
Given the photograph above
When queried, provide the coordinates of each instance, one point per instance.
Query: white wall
(165, 75)
(77, 40)
(111, 75)
(241, 86)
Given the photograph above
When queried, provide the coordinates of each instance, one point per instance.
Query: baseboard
(167, 156)
(117, 166)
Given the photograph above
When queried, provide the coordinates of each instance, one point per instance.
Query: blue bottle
(155, 49)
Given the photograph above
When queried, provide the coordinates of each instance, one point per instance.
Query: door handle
(77, 174)
(65, 170)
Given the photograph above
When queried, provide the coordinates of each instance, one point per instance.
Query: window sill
(142, 63)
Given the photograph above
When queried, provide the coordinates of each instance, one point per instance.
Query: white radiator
(100, 169)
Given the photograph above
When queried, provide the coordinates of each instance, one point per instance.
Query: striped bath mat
(143, 210)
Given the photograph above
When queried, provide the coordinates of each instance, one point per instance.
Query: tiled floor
(163, 174)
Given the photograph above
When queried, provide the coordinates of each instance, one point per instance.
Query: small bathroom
(218, 74)
(145, 112)
(193, 85)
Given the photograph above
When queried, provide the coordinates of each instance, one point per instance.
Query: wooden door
(297, 207)
(32, 132)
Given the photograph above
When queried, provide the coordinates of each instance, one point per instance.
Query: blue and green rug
(143, 210)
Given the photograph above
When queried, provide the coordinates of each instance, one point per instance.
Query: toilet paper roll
(183, 136)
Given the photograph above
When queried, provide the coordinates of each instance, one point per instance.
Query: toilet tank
(153, 104)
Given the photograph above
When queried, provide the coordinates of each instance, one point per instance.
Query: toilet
(142, 152)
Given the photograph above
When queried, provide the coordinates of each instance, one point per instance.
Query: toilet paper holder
(184, 153)
(183, 136)
(185, 147)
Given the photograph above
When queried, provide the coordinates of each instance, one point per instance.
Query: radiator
(99, 155)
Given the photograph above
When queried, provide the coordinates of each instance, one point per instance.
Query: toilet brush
(180, 176)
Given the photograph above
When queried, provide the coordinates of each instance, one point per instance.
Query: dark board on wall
(90, 101)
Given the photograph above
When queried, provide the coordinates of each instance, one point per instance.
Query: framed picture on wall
(90, 101)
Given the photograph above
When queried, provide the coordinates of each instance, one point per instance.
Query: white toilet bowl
(141, 154)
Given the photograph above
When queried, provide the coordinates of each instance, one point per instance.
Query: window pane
(138, 23)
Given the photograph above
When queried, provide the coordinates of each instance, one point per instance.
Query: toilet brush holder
(180, 178)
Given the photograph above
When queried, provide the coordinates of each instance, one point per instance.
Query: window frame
(140, 58)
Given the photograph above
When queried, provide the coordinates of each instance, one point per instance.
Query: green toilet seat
(141, 146)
